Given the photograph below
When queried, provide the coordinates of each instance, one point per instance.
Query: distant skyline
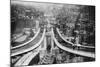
(46, 7)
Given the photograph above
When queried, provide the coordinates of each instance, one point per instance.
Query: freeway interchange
(32, 48)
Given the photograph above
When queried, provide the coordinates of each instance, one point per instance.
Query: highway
(69, 48)
(73, 43)
(30, 46)
(25, 60)
(33, 48)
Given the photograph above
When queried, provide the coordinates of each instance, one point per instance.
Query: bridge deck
(29, 45)
(68, 47)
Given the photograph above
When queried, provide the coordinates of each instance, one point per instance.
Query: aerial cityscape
(51, 33)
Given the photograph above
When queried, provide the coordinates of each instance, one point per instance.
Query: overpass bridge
(38, 46)
(68, 46)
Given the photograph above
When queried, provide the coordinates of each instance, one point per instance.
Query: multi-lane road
(31, 48)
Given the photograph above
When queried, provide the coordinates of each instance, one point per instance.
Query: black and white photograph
(45, 33)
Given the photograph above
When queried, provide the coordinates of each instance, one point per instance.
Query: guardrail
(27, 41)
(28, 48)
(79, 52)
